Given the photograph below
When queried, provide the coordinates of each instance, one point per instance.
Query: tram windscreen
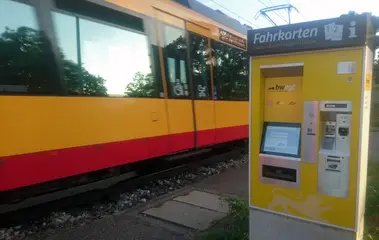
(281, 139)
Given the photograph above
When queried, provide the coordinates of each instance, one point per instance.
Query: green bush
(372, 202)
(235, 226)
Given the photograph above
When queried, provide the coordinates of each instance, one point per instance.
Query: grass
(233, 227)
(236, 225)
(372, 202)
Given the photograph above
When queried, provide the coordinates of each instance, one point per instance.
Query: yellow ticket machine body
(309, 125)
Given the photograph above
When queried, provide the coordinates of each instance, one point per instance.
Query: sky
(308, 9)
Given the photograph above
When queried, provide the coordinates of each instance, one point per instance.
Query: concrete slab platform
(131, 224)
(185, 214)
(116, 228)
(204, 200)
(235, 181)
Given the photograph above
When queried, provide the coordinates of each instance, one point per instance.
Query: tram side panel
(111, 113)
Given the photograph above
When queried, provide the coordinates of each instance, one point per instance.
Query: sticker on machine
(346, 67)
(282, 88)
(368, 82)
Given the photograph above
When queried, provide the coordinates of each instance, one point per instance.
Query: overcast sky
(309, 9)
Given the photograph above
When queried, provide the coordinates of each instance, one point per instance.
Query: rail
(40, 206)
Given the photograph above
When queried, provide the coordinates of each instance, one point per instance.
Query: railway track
(84, 197)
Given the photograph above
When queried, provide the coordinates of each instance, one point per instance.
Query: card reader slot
(343, 131)
(336, 157)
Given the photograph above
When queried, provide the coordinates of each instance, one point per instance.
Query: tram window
(175, 56)
(171, 69)
(72, 73)
(118, 56)
(67, 37)
(27, 63)
(231, 72)
(112, 61)
(157, 69)
(96, 11)
(200, 66)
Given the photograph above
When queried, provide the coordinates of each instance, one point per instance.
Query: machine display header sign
(345, 31)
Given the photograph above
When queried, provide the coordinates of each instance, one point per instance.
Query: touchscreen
(282, 140)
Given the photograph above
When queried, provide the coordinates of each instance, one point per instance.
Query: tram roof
(215, 15)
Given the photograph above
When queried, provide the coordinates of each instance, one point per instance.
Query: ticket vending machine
(309, 124)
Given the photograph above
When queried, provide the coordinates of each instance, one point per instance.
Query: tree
(22, 60)
(141, 86)
(376, 71)
(374, 105)
(25, 62)
(231, 71)
(80, 82)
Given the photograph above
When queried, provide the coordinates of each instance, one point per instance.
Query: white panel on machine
(333, 171)
(343, 132)
(334, 154)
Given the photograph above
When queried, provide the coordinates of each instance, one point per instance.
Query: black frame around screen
(279, 124)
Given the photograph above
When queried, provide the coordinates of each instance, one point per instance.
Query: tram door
(204, 107)
(180, 111)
